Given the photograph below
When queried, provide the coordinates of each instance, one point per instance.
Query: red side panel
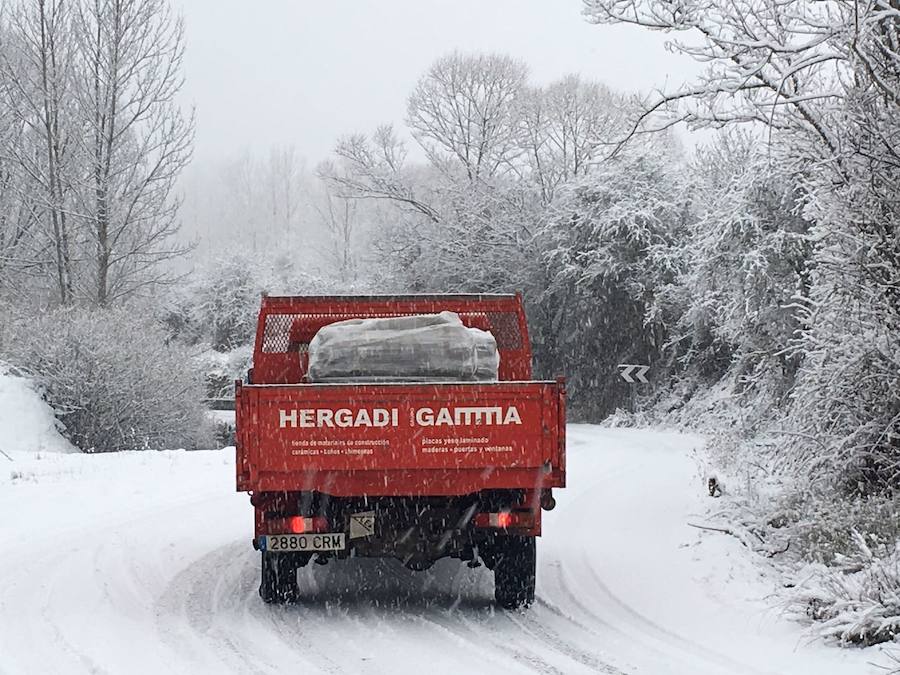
(438, 439)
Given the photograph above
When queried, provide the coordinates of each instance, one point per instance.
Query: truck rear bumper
(415, 530)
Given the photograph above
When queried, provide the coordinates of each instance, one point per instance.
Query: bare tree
(136, 141)
(338, 212)
(375, 168)
(284, 175)
(21, 242)
(35, 80)
(564, 129)
(463, 112)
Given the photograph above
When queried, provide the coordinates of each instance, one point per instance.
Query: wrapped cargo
(425, 347)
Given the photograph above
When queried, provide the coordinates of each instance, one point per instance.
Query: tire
(278, 582)
(514, 571)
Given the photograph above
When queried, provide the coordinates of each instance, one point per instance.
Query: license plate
(303, 542)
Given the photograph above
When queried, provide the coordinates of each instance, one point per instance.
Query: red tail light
(505, 520)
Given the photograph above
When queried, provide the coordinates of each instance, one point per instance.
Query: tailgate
(302, 437)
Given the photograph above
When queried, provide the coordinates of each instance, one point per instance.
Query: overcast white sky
(262, 72)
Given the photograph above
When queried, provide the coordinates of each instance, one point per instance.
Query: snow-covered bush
(746, 265)
(857, 600)
(826, 530)
(219, 303)
(221, 369)
(112, 377)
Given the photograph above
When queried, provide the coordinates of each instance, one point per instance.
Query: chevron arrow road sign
(634, 373)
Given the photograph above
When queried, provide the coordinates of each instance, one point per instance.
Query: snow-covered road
(141, 563)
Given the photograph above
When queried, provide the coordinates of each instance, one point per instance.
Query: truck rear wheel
(514, 571)
(278, 584)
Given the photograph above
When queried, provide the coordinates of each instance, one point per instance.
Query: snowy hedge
(112, 377)
(220, 369)
(219, 304)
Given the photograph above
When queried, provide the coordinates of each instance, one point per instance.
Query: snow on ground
(141, 563)
(27, 423)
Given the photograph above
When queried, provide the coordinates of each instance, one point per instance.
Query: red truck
(415, 471)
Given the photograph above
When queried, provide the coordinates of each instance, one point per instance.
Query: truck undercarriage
(417, 531)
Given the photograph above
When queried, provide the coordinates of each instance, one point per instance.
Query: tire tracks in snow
(168, 583)
(649, 629)
(57, 562)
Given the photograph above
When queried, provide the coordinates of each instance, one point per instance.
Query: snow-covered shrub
(626, 419)
(847, 405)
(219, 303)
(221, 369)
(856, 601)
(112, 377)
(826, 529)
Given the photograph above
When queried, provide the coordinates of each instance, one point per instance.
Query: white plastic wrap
(421, 348)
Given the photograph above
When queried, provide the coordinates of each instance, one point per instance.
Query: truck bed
(400, 439)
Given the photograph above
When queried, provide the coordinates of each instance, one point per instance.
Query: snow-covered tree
(375, 168)
(775, 63)
(94, 140)
(823, 80)
(746, 266)
(23, 242)
(565, 128)
(611, 246)
(814, 255)
(134, 140)
(476, 217)
(36, 62)
(463, 113)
